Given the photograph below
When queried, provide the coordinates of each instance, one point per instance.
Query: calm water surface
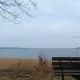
(34, 52)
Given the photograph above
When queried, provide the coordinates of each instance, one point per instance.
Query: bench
(66, 66)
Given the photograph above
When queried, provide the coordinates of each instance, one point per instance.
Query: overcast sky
(56, 22)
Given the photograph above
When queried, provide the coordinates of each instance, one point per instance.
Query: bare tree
(13, 9)
(75, 37)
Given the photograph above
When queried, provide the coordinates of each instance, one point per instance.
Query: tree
(75, 37)
(12, 9)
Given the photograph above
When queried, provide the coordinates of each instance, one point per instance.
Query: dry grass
(27, 69)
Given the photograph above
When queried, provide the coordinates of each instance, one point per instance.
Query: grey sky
(57, 21)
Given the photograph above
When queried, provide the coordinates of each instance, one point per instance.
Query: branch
(12, 9)
(75, 37)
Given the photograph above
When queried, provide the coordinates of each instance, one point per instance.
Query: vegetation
(27, 69)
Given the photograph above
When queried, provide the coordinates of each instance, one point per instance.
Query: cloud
(57, 21)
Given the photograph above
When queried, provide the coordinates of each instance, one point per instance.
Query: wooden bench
(66, 66)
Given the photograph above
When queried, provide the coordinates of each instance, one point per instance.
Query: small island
(77, 47)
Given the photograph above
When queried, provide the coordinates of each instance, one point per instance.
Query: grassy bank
(27, 69)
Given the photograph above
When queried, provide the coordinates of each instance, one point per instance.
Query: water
(35, 52)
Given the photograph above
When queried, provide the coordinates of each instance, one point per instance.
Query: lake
(35, 52)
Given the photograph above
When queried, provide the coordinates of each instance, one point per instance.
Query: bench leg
(76, 77)
(62, 74)
(62, 77)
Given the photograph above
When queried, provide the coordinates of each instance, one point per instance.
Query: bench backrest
(67, 66)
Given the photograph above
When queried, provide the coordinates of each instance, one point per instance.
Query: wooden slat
(66, 74)
(66, 58)
(66, 63)
(67, 71)
(66, 68)
(74, 66)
